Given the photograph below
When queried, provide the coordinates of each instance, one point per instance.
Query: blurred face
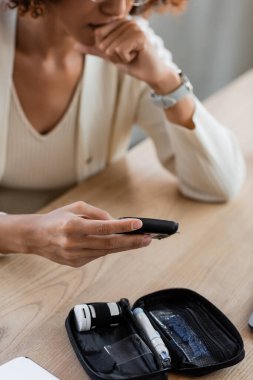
(80, 18)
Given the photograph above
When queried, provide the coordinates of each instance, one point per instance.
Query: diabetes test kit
(170, 330)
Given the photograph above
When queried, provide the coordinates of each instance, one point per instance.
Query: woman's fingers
(108, 29)
(77, 257)
(69, 236)
(118, 42)
(105, 41)
(108, 227)
(92, 50)
(123, 43)
(88, 211)
(77, 225)
(93, 253)
(107, 242)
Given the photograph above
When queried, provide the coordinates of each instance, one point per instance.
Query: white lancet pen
(152, 334)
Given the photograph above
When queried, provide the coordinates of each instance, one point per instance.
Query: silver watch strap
(169, 100)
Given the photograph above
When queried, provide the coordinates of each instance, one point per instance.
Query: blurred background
(212, 42)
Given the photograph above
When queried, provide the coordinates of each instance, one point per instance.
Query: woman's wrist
(182, 112)
(167, 82)
(15, 232)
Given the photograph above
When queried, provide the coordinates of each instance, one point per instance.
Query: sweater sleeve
(207, 160)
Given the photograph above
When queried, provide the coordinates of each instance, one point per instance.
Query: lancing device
(152, 334)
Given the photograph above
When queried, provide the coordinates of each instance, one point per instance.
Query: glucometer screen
(158, 228)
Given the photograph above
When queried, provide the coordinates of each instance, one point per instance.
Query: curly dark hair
(36, 7)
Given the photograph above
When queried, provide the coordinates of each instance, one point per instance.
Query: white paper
(24, 369)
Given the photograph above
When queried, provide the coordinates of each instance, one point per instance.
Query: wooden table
(213, 254)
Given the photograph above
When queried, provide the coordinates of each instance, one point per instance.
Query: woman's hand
(127, 46)
(72, 235)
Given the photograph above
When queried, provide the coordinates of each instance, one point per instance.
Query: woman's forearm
(14, 231)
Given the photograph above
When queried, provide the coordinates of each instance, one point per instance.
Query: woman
(67, 110)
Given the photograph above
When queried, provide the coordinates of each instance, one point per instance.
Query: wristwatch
(169, 100)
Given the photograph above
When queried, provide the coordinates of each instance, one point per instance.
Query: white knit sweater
(207, 160)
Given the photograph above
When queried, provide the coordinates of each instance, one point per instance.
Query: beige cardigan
(207, 160)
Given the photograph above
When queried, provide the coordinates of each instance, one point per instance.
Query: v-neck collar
(59, 124)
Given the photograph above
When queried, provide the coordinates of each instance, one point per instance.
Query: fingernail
(136, 224)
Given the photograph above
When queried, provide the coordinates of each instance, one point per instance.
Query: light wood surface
(213, 254)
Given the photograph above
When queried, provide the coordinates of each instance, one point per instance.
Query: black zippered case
(198, 336)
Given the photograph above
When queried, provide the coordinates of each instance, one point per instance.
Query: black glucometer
(157, 228)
